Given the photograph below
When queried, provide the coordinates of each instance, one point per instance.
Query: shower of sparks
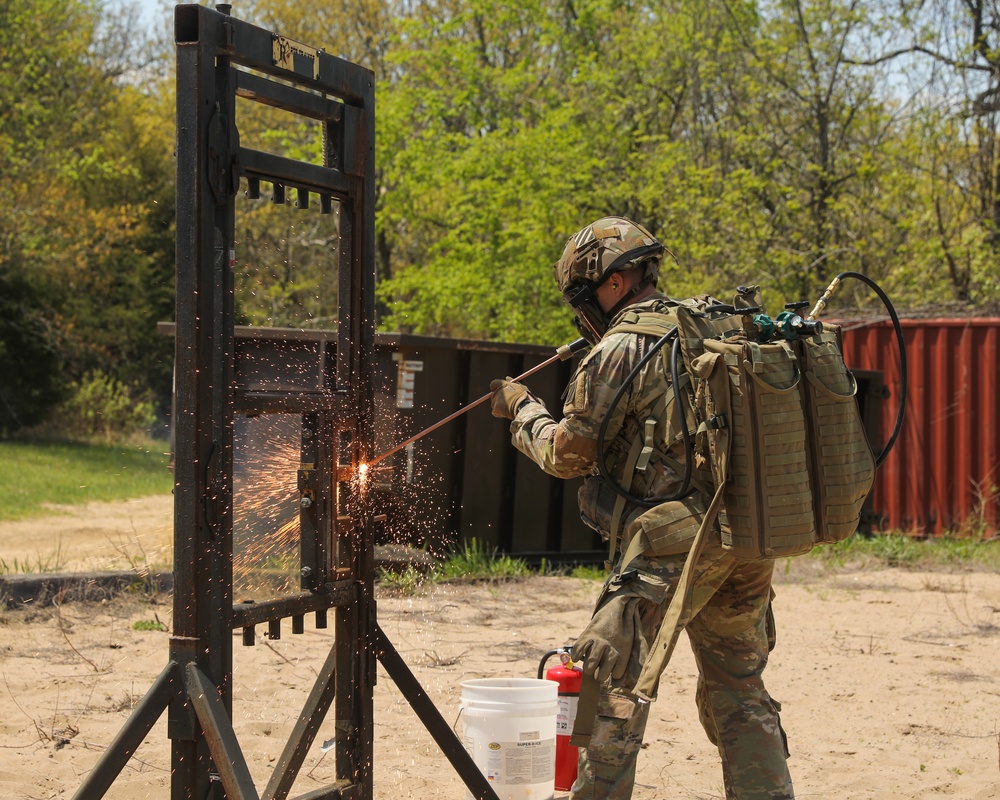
(266, 521)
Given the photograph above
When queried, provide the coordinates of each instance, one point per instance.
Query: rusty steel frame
(220, 58)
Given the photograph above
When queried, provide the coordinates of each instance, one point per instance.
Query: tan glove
(507, 396)
(606, 643)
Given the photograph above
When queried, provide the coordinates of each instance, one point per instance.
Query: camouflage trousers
(731, 632)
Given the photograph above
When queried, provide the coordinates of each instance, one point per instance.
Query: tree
(85, 244)
(952, 47)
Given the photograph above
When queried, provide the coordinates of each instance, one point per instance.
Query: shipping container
(465, 481)
(942, 474)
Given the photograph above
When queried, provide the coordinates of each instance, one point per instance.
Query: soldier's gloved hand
(507, 397)
(606, 643)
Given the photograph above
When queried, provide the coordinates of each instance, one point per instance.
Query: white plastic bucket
(509, 729)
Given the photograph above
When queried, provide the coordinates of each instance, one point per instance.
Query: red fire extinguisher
(568, 677)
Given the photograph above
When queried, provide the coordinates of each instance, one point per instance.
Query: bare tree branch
(927, 51)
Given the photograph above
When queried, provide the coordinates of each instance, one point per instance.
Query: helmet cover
(592, 255)
(610, 245)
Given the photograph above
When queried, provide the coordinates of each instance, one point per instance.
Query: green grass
(474, 561)
(148, 625)
(900, 550)
(470, 562)
(39, 565)
(588, 572)
(36, 474)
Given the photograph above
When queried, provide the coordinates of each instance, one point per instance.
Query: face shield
(588, 317)
(591, 320)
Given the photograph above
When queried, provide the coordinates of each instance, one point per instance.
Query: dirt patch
(92, 538)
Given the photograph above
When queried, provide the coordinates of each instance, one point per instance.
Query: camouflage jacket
(568, 448)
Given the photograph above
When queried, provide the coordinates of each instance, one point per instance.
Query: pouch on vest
(666, 529)
(596, 501)
(842, 466)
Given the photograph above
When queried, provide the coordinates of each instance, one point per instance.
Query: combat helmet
(595, 253)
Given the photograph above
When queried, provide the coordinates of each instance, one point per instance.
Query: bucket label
(566, 715)
(519, 763)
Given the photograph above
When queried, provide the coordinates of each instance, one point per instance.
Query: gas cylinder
(568, 677)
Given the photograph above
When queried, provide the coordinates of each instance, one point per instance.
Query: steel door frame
(219, 58)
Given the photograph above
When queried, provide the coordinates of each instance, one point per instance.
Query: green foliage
(101, 407)
(149, 625)
(469, 562)
(39, 476)
(39, 565)
(764, 141)
(472, 561)
(588, 572)
(407, 581)
(286, 265)
(30, 362)
(87, 250)
(742, 134)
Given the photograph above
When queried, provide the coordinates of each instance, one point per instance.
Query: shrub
(102, 407)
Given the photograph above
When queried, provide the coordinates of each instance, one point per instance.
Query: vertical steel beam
(203, 363)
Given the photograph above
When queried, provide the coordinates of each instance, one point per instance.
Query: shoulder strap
(678, 609)
(655, 323)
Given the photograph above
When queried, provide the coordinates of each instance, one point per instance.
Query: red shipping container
(944, 472)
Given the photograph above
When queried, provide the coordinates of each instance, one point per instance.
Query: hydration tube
(900, 344)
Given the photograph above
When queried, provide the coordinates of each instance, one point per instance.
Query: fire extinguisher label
(566, 715)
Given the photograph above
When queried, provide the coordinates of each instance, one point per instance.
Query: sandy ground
(886, 678)
(94, 537)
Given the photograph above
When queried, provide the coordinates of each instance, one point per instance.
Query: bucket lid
(510, 690)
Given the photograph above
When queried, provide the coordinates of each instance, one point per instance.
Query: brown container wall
(465, 480)
(943, 473)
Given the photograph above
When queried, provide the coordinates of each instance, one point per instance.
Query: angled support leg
(312, 716)
(436, 725)
(219, 735)
(132, 734)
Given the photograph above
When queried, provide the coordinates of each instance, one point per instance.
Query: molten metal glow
(362, 472)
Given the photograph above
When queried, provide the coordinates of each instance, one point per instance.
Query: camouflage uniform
(728, 617)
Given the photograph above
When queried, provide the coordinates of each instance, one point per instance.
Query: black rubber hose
(602, 466)
(903, 375)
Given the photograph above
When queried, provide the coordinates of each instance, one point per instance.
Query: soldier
(607, 274)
